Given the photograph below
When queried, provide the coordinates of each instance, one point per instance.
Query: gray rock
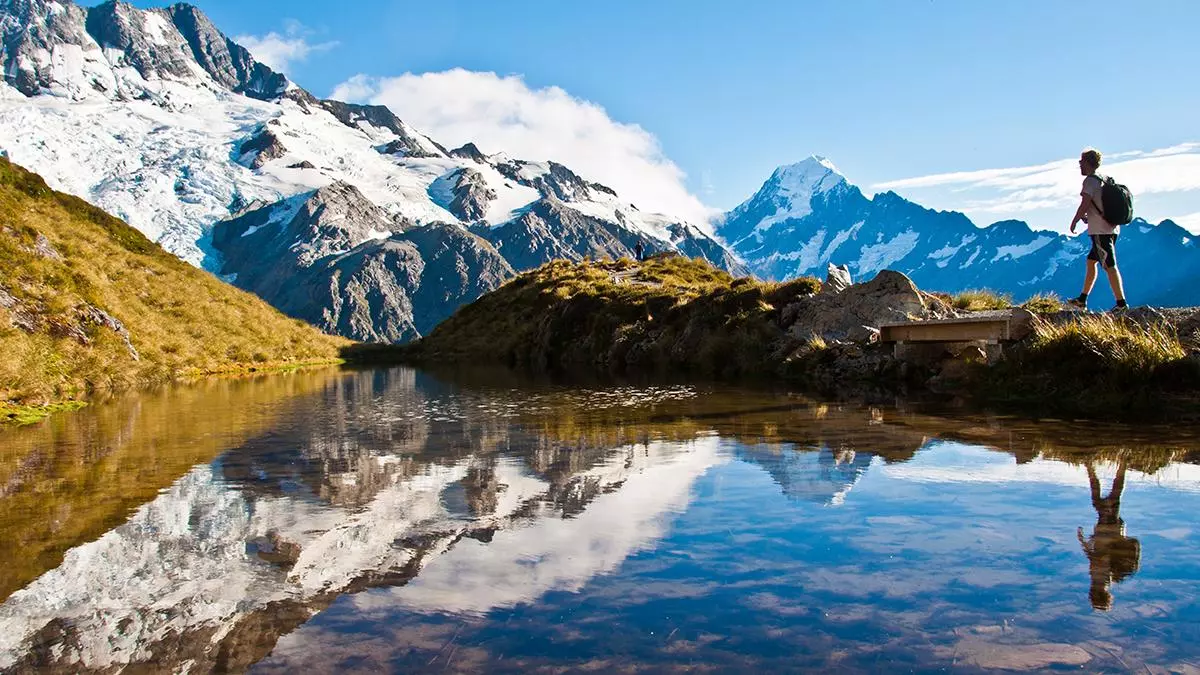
(560, 182)
(90, 314)
(407, 145)
(227, 62)
(837, 279)
(603, 188)
(28, 27)
(181, 40)
(261, 148)
(471, 194)
(18, 316)
(863, 335)
(548, 230)
(469, 151)
(120, 26)
(889, 297)
(45, 249)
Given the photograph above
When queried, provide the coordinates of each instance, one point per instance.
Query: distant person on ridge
(1102, 233)
(639, 250)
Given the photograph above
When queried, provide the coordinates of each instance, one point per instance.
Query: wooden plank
(945, 331)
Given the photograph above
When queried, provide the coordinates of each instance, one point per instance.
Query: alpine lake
(394, 520)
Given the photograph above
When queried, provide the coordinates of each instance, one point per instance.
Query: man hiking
(1102, 233)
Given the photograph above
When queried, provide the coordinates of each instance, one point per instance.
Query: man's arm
(1080, 213)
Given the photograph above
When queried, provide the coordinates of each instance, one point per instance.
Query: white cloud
(1189, 222)
(278, 52)
(1055, 185)
(357, 89)
(502, 113)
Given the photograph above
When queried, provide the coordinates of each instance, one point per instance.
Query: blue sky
(890, 91)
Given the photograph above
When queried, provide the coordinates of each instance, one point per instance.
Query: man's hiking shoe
(1078, 303)
(1119, 309)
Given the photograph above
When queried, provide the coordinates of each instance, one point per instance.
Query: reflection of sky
(960, 556)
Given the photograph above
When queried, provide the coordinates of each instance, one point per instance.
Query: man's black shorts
(1104, 250)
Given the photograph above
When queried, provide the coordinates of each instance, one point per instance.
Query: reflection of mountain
(519, 564)
(460, 497)
(823, 476)
(239, 552)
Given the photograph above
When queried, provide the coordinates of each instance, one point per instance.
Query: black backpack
(1116, 202)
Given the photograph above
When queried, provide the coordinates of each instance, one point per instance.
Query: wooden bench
(985, 328)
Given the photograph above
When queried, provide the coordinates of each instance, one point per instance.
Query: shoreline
(15, 414)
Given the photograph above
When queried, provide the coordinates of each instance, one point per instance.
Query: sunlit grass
(980, 300)
(1044, 303)
(666, 313)
(181, 321)
(1096, 364)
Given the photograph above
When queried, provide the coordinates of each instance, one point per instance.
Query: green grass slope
(667, 314)
(88, 303)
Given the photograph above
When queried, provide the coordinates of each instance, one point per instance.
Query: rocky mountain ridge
(157, 117)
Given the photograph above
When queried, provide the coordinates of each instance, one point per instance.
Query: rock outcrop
(471, 194)
(888, 298)
(261, 148)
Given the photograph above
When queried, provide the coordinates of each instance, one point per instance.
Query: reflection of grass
(1148, 460)
(180, 320)
(20, 415)
(774, 421)
(74, 477)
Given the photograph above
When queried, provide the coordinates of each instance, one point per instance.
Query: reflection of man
(1111, 555)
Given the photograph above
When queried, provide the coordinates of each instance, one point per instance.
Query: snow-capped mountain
(157, 117)
(808, 215)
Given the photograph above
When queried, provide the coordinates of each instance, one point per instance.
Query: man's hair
(1091, 156)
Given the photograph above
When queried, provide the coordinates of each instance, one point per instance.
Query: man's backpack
(1116, 202)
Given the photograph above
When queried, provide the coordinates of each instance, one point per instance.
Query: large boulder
(889, 297)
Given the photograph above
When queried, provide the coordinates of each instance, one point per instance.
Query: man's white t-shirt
(1092, 189)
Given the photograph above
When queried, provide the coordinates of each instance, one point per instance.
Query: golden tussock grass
(181, 320)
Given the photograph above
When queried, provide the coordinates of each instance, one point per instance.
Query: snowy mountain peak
(806, 178)
(787, 195)
(116, 51)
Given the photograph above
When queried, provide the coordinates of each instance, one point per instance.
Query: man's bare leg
(1114, 280)
(1089, 280)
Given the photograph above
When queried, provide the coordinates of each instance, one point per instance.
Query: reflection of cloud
(520, 564)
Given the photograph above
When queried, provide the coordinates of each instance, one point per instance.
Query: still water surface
(394, 521)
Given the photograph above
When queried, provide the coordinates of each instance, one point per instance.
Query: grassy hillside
(88, 303)
(676, 316)
(668, 314)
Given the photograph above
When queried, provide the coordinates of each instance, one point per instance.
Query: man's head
(1089, 161)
